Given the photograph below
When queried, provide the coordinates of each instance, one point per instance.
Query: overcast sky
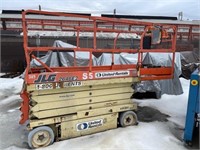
(190, 8)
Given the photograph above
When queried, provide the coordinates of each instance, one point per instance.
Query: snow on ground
(10, 130)
(153, 135)
(173, 105)
(10, 87)
(144, 136)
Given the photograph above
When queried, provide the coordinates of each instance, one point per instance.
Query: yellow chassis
(75, 111)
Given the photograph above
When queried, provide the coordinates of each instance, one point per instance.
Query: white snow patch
(12, 110)
(154, 136)
(82, 34)
(1, 74)
(13, 148)
(9, 99)
(10, 87)
(173, 105)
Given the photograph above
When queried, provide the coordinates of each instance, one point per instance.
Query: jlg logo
(45, 78)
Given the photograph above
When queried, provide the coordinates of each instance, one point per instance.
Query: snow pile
(173, 105)
(9, 88)
(144, 136)
(153, 135)
(82, 34)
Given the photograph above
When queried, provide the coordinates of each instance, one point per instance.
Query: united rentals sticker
(89, 125)
(112, 74)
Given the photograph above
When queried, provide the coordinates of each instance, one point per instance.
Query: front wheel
(128, 118)
(40, 137)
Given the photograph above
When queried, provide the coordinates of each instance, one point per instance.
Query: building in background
(12, 53)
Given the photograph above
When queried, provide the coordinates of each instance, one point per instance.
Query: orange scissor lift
(66, 102)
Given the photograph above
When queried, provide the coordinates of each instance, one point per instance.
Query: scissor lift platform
(65, 102)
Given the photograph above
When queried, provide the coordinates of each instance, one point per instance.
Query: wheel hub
(41, 138)
(128, 120)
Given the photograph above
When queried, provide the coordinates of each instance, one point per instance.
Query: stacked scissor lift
(66, 102)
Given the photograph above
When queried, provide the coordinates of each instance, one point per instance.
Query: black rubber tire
(128, 118)
(45, 129)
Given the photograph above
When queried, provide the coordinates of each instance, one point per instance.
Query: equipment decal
(44, 86)
(71, 84)
(112, 74)
(45, 78)
(89, 125)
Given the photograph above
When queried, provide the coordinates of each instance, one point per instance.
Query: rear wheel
(40, 137)
(128, 118)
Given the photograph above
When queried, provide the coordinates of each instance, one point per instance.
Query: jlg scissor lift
(66, 102)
